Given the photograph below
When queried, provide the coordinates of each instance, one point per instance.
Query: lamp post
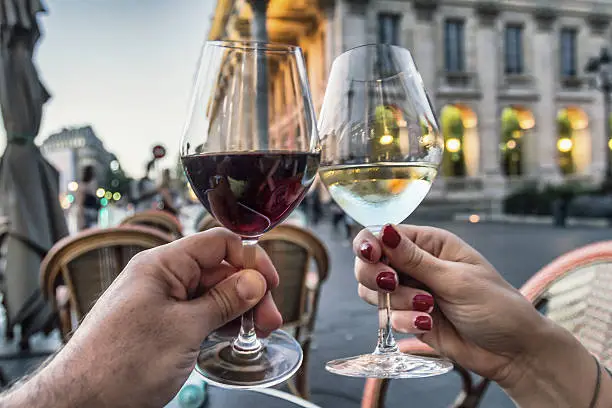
(601, 68)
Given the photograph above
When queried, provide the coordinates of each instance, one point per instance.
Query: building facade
(72, 149)
(506, 78)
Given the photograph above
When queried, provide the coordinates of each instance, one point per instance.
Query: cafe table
(228, 398)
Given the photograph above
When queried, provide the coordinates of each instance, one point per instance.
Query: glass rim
(250, 45)
(352, 50)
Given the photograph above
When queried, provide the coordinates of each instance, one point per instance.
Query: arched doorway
(461, 150)
(516, 122)
(573, 141)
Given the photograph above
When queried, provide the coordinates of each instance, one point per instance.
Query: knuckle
(223, 303)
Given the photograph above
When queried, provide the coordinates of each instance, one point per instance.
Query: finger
(411, 322)
(267, 316)
(367, 247)
(404, 298)
(229, 299)
(408, 258)
(376, 276)
(206, 248)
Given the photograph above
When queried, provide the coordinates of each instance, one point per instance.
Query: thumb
(407, 258)
(230, 298)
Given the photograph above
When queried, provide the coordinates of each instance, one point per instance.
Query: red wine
(251, 192)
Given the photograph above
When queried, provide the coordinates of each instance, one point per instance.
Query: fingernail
(390, 237)
(422, 303)
(386, 281)
(250, 285)
(366, 250)
(423, 323)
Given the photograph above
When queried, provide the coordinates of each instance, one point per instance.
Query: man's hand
(140, 341)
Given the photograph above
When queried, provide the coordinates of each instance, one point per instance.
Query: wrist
(555, 370)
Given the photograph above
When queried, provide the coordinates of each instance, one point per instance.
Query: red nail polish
(366, 250)
(386, 281)
(422, 303)
(423, 323)
(390, 237)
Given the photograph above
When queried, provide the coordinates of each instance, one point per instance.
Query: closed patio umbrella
(28, 183)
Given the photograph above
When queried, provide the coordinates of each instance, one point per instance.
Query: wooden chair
(207, 223)
(574, 291)
(157, 219)
(292, 250)
(78, 269)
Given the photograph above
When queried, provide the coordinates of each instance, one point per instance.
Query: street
(347, 326)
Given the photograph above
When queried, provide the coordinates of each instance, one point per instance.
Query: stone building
(71, 149)
(506, 78)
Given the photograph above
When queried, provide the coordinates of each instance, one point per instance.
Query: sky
(124, 66)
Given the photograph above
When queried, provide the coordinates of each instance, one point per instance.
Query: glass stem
(386, 342)
(247, 344)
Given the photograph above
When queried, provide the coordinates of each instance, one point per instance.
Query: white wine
(380, 193)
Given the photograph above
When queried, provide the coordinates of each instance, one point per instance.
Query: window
(454, 46)
(568, 52)
(513, 48)
(388, 28)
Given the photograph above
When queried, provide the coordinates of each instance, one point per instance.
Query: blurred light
(64, 202)
(108, 195)
(70, 198)
(453, 145)
(511, 144)
(386, 139)
(565, 144)
(73, 186)
(117, 196)
(578, 118)
(517, 134)
(610, 144)
(115, 183)
(192, 196)
(402, 123)
(428, 140)
(525, 118)
(474, 218)
(114, 165)
(100, 192)
(104, 202)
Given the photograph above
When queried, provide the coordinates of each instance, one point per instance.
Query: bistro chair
(79, 268)
(293, 251)
(160, 220)
(574, 291)
(207, 222)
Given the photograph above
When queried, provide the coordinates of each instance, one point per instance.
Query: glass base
(389, 365)
(280, 358)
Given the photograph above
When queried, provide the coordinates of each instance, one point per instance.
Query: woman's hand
(479, 320)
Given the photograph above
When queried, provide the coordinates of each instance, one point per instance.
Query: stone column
(488, 112)
(425, 43)
(354, 27)
(546, 77)
(259, 33)
(598, 24)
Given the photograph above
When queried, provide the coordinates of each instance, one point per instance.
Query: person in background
(146, 190)
(88, 204)
(166, 200)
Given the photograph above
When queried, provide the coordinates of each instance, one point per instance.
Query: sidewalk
(530, 220)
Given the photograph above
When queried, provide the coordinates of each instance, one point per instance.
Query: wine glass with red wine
(250, 151)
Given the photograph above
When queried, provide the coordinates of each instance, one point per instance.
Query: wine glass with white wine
(381, 151)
